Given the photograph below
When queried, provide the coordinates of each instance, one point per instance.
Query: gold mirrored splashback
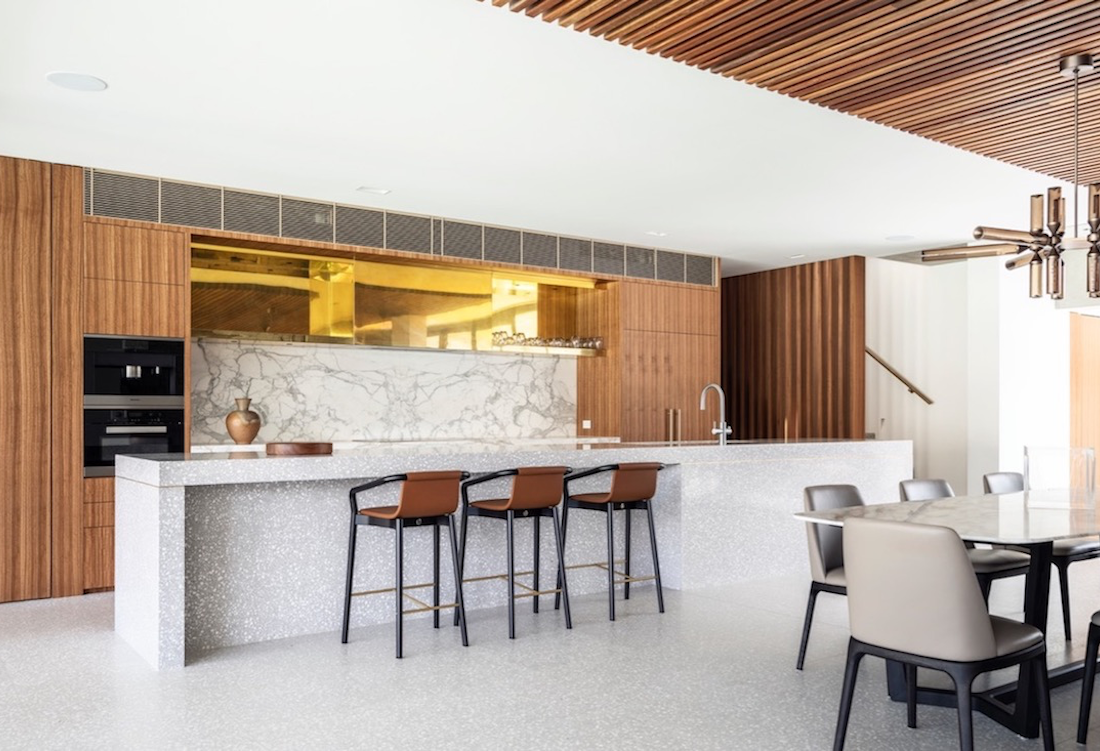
(257, 293)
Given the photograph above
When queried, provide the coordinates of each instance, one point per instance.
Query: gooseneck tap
(722, 429)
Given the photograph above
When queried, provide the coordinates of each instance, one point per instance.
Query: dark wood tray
(298, 448)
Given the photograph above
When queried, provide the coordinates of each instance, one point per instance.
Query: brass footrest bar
(390, 589)
(424, 607)
(495, 576)
(536, 593)
(632, 579)
(600, 565)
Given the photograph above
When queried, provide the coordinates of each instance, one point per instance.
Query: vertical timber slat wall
(793, 351)
(1084, 390)
(25, 420)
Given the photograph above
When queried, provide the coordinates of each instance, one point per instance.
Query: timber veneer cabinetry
(99, 533)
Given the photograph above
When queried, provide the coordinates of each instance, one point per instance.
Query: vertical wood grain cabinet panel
(67, 344)
(99, 558)
(793, 351)
(25, 417)
(599, 397)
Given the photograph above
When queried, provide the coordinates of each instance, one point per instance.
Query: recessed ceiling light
(656, 233)
(76, 81)
(375, 191)
(899, 238)
(797, 256)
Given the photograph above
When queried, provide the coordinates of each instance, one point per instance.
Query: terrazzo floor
(716, 671)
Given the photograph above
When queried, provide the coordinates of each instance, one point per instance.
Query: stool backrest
(925, 490)
(911, 587)
(537, 487)
(634, 482)
(826, 552)
(1003, 482)
(429, 494)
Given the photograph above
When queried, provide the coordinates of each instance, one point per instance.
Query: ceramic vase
(242, 423)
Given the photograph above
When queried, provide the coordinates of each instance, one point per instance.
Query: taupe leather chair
(826, 553)
(912, 598)
(1065, 551)
(988, 564)
(1089, 677)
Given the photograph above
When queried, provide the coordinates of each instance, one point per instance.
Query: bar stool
(633, 486)
(427, 499)
(536, 492)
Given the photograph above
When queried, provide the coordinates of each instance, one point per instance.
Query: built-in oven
(133, 399)
(109, 432)
(117, 368)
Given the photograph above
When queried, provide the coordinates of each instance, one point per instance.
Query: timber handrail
(893, 371)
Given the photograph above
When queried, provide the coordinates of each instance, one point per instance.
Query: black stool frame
(609, 509)
(399, 525)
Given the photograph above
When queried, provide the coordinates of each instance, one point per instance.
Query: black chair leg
(535, 583)
(1063, 583)
(564, 521)
(462, 550)
(626, 562)
(911, 695)
(511, 576)
(435, 576)
(347, 587)
(1042, 683)
(984, 583)
(610, 563)
(656, 560)
(851, 672)
(399, 582)
(1087, 683)
(563, 587)
(963, 680)
(458, 579)
(806, 623)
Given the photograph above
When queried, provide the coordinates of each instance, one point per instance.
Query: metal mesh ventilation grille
(574, 254)
(639, 263)
(607, 258)
(87, 191)
(126, 197)
(670, 266)
(699, 270)
(360, 227)
(462, 240)
(540, 250)
(190, 205)
(405, 232)
(251, 212)
(502, 245)
(306, 220)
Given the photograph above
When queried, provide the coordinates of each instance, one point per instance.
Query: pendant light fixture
(1045, 244)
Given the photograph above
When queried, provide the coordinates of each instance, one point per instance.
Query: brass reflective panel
(250, 293)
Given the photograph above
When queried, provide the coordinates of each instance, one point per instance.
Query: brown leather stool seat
(633, 486)
(536, 493)
(428, 499)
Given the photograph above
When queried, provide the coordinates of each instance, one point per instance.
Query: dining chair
(913, 599)
(826, 553)
(1059, 469)
(1089, 678)
(989, 564)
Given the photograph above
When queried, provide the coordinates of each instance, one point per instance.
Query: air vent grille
(190, 205)
(150, 199)
(462, 240)
(502, 245)
(360, 227)
(411, 233)
(306, 220)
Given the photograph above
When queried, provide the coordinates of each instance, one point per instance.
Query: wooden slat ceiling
(981, 75)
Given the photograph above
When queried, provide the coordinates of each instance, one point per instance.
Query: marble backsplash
(322, 392)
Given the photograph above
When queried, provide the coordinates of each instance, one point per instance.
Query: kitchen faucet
(723, 429)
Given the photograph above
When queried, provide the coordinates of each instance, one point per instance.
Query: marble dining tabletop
(1012, 518)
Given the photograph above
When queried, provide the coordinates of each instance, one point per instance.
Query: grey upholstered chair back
(911, 587)
(1003, 482)
(826, 551)
(925, 490)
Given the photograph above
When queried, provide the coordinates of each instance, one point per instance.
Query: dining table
(1031, 520)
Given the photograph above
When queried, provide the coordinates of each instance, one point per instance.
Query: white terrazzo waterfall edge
(213, 550)
(324, 392)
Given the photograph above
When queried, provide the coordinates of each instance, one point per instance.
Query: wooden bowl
(298, 448)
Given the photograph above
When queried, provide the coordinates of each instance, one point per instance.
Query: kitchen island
(218, 549)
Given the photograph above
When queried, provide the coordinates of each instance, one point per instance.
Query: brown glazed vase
(242, 423)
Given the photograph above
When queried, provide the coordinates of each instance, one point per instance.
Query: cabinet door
(25, 440)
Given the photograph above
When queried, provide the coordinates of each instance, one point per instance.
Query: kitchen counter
(223, 548)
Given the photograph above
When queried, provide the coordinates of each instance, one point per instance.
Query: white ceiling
(469, 111)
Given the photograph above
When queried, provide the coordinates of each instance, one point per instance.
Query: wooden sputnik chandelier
(1044, 244)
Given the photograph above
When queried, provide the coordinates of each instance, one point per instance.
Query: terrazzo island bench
(220, 549)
